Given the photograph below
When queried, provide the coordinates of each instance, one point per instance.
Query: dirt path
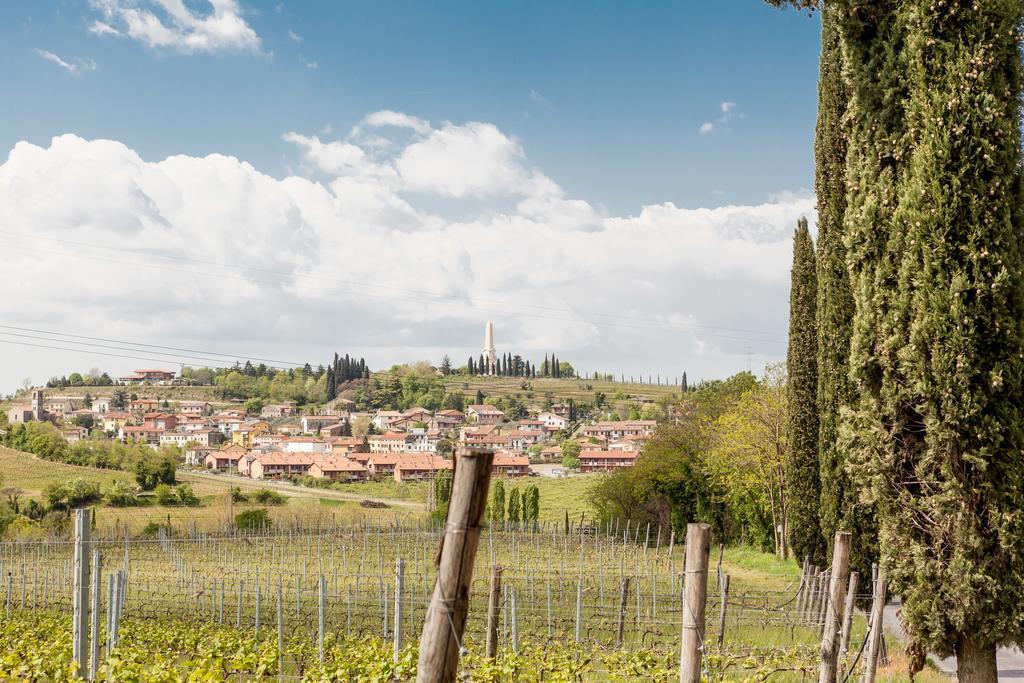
(1009, 660)
(291, 489)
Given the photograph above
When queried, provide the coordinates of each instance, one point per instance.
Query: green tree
(122, 494)
(801, 463)
(531, 504)
(253, 520)
(164, 495)
(514, 506)
(571, 454)
(498, 502)
(186, 496)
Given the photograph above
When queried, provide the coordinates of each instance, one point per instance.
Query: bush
(72, 494)
(164, 495)
(237, 496)
(268, 497)
(253, 519)
(186, 495)
(571, 454)
(152, 530)
(121, 494)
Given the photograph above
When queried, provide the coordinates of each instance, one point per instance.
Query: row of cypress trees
(344, 369)
(918, 315)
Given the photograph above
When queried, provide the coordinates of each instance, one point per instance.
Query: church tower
(490, 355)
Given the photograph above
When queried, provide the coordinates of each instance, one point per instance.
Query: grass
(32, 475)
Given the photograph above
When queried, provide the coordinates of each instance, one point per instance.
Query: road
(291, 489)
(1009, 660)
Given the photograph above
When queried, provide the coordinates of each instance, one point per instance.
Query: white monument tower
(490, 355)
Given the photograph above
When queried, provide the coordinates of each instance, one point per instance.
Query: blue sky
(619, 89)
(615, 182)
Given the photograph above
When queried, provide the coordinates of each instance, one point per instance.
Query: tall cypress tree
(840, 504)
(332, 391)
(802, 478)
(937, 347)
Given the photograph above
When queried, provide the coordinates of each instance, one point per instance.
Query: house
(74, 434)
(496, 442)
(603, 461)
(141, 434)
(521, 439)
(624, 445)
(446, 419)
(289, 428)
(60, 406)
(20, 414)
(267, 439)
(424, 440)
(311, 424)
(420, 467)
(175, 438)
(531, 425)
(510, 465)
(560, 409)
(274, 411)
(383, 464)
(341, 445)
(551, 454)
(337, 469)
(195, 455)
(388, 443)
(417, 414)
(224, 459)
(144, 405)
(614, 430)
(303, 444)
(160, 420)
(485, 414)
(384, 418)
(244, 434)
(195, 408)
(146, 375)
(271, 465)
(553, 421)
(114, 420)
(101, 404)
(336, 429)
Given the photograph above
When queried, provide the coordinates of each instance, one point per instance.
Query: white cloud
(312, 65)
(75, 68)
(295, 37)
(402, 252)
(396, 119)
(707, 127)
(536, 97)
(173, 25)
(727, 107)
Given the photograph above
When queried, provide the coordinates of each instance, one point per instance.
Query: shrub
(72, 494)
(122, 494)
(164, 495)
(237, 496)
(268, 497)
(186, 495)
(253, 519)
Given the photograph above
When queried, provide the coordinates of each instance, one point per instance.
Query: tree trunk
(976, 662)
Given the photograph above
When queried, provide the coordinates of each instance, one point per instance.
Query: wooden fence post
(80, 589)
(94, 626)
(851, 596)
(321, 608)
(722, 611)
(875, 628)
(445, 623)
(399, 591)
(801, 593)
(493, 608)
(623, 597)
(834, 602)
(698, 549)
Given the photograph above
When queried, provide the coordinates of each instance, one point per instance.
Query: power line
(399, 299)
(91, 351)
(154, 346)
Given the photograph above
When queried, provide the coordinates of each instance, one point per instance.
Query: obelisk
(490, 354)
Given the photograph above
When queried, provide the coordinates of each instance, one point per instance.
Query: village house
(420, 467)
(521, 439)
(507, 464)
(445, 420)
(560, 409)
(74, 434)
(383, 464)
(342, 445)
(383, 419)
(551, 454)
(624, 445)
(101, 404)
(147, 375)
(485, 414)
(388, 443)
(336, 429)
(553, 421)
(274, 465)
(165, 421)
(244, 434)
(144, 405)
(195, 455)
(418, 414)
(303, 444)
(289, 428)
(267, 439)
(114, 420)
(195, 408)
(611, 431)
(274, 411)
(20, 414)
(224, 459)
(337, 469)
(140, 434)
(424, 440)
(61, 406)
(174, 438)
(603, 461)
(311, 424)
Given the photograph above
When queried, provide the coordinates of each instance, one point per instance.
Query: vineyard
(337, 602)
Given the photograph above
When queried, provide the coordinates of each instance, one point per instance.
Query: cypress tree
(683, 384)
(937, 345)
(469, 366)
(803, 485)
(331, 389)
(841, 506)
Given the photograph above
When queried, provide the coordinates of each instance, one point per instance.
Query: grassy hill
(558, 390)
